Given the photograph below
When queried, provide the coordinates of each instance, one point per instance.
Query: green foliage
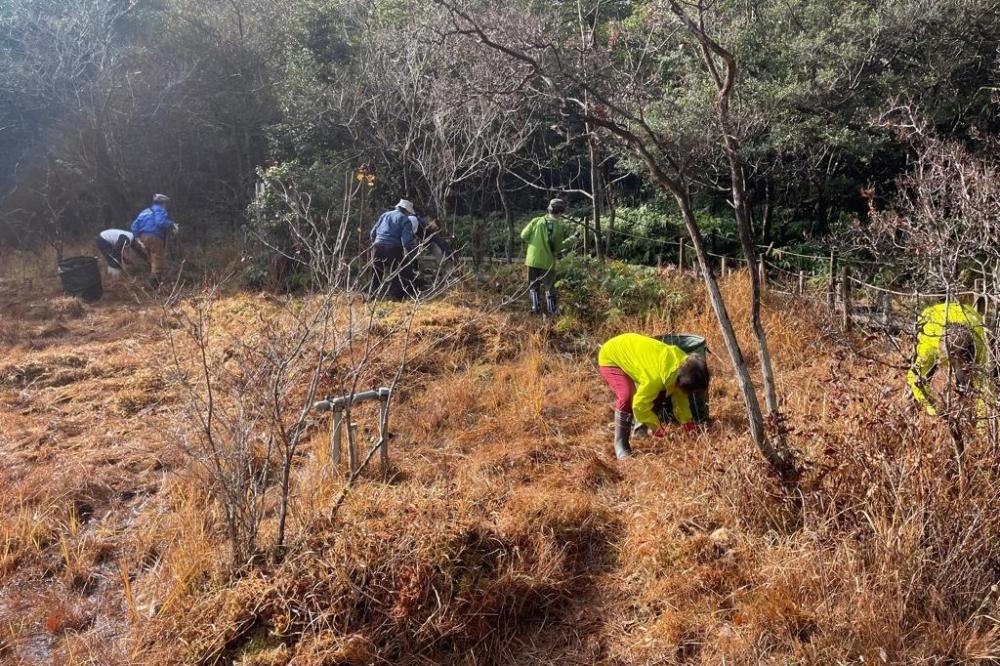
(592, 291)
(190, 97)
(296, 205)
(650, 230)
(317, 187)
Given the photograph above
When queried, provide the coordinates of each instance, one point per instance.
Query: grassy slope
(509, 534)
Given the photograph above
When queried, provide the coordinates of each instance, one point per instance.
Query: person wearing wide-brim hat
(392, 240)
(546, 237)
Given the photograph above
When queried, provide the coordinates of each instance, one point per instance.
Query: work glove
(175, 229)
(690, 427)
(661, 431)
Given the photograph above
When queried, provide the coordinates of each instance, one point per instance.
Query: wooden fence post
(762, 273)
(335, 429)
(831, 292)
(352, 447)
(885, 307)
(845, 296)
(659, 262)
(802, 282)
(979, 297)
(680, 256)
(383, 433)
(723, 269)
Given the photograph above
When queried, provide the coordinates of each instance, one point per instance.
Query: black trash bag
(81, 277)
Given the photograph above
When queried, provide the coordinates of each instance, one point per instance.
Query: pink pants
(622, 385)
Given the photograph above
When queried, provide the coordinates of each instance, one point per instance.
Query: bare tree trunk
(595, 181)
(776, 453)
(612, 214)
(508, 216)
(724, 81)
(766, 215)
(595, 190)
(286, 483)
(778, 456)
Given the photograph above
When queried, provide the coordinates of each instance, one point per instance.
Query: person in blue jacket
(150, 228)
(392, 241)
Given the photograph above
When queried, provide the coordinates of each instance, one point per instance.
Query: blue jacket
(153, 221)
(393, 228)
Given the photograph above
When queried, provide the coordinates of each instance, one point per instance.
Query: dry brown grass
(507, 533)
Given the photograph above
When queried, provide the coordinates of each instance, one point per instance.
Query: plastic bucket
(81, 277)
(691, 344)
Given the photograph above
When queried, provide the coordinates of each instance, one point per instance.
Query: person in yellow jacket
(638, 369)
(952, 336)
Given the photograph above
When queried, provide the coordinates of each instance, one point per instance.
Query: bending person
(112, 244)
(639, 369)
(949, 336)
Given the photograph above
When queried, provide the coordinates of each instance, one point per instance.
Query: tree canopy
(103, 102)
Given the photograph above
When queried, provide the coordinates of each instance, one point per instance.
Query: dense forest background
(104, 102)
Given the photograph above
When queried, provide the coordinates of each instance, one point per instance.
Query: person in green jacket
(952, 336)
(546, 237)
(639, 369)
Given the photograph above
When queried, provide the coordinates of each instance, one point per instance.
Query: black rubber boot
(550, 304)
(536, 298)
(623, 428)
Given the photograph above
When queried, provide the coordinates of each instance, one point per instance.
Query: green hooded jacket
(542, 250)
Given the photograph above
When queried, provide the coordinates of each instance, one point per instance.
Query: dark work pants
(112, 253)
(393, 271)
(538, 278)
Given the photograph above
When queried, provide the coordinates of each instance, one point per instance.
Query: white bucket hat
(160, 198)
(406, 205)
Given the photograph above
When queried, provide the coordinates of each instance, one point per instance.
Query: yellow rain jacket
(653, 366)
(931, 325)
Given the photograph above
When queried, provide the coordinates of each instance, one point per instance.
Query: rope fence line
(878, 313)
(915, 294)
(839, 286)
(769, 249)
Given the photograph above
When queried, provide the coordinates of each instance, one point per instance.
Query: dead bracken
(508, 533)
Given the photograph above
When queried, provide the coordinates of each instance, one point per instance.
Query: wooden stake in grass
(845, 297)
(832, 289)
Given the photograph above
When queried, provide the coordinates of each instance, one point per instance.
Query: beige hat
(406, 205)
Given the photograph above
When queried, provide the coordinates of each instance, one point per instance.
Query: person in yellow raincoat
(639, 369)
(951, 336)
